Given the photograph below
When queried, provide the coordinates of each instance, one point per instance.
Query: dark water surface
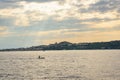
(60, 65)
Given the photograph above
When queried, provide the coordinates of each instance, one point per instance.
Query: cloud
(51, 33)
(22, 20)
(4, 5)
(6, 21)
(31, 12)
(105, 5)
(3, 31)
(58, 20)
(11, 12)
(3, 28)
(46, 8)
(106, 24)
(16, 16)
(41, 1)
(8, 1)
(36, 12)
(86, 36)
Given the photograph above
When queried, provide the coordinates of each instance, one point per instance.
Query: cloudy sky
(34, 22)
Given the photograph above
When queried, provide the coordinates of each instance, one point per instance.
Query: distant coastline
(71, 46)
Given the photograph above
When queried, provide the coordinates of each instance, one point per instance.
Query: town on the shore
(70, 46)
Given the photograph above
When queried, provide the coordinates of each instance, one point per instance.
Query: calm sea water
(60, 65)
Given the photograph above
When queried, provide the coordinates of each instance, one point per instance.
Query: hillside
(71, 46)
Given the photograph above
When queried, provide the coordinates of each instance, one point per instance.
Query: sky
(25, 23)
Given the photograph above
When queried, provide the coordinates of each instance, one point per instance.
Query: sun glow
(46, 8)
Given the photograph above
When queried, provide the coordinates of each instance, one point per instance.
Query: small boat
(39, 57)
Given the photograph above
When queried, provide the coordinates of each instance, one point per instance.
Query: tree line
(71, 46)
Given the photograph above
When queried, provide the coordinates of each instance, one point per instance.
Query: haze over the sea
(33, 22)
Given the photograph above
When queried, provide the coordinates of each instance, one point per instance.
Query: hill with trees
(71, 46)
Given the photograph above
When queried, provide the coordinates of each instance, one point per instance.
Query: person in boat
(39, 57)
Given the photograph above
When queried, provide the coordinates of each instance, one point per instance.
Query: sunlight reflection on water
(60, 65)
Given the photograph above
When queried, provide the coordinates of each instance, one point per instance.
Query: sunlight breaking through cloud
(49, 21)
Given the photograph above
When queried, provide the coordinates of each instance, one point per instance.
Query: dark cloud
(55, 25)
(8, 4)
(105, 5)
(6, 21)
(102, 6)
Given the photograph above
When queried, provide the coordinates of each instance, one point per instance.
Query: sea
(60, 65)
